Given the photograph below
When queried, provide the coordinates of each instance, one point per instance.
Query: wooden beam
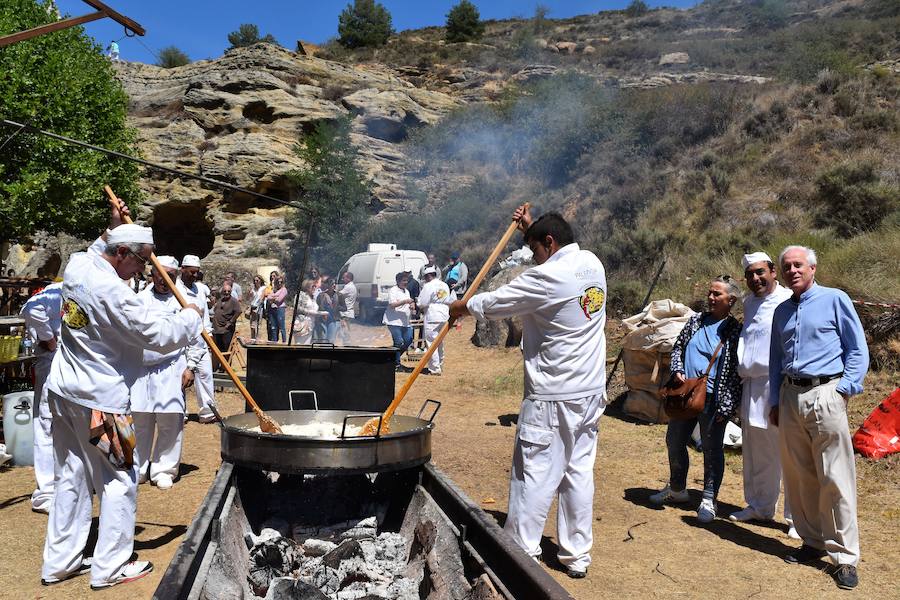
(49, 28)
(117, 17)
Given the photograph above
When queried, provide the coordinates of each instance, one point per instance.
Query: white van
(375, 272)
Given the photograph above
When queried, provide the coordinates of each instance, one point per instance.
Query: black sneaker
(576, 574)
(845, 577)
(804, 556)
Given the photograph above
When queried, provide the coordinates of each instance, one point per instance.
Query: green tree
(364, 23)
(464, 23)
(171, 56)
(332, 187)
(247, 35)
(59, 82)
(637, 8)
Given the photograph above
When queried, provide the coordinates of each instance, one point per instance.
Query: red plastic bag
(879, 434)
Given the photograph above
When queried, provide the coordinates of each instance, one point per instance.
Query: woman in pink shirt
(275, 308)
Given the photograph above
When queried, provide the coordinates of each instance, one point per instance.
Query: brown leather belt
(812, 381)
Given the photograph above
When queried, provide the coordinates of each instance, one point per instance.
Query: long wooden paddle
(266, 423)
(371, 426)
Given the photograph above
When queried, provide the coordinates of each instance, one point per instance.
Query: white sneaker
(707, 511)
(748, 514)
(206, 416)
(129, 572)
(164, 482)
(84, 568)
(792, 533)
(667, 494)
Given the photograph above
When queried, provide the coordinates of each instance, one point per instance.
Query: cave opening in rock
(182, 228)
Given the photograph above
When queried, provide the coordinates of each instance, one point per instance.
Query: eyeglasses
(144, 261)
(725, 277)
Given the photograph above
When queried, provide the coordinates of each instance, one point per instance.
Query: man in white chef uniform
(434, 300)
(157, 397)
(198, 356)
(42, 314)
(760, 445)
(562, 304)
(104, 332)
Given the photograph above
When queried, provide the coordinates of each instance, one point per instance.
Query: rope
(877, 304)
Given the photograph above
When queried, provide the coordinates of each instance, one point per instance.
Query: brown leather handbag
(687, 400)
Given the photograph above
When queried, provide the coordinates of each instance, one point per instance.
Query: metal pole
(309, 231)
(643, 304)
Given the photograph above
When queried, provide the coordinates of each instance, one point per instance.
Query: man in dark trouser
(226, 311)
(818, 359)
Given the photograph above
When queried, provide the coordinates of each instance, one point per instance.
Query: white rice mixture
(317, 430)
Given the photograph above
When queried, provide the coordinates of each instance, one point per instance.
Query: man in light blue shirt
(818, 359)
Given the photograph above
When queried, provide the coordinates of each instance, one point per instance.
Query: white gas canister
(17, 427)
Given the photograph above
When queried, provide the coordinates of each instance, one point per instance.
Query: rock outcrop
(506, 332)
(238, 118)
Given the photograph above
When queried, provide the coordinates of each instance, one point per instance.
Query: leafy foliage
(333, 189)
(464, 23)
(171, 56)
(247, 35)
(854, 198)
(365, 23)
(637, 8)
(59, 82)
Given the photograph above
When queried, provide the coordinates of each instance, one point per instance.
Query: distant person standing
(457, 275)
(396, 317)
(236, 291)
(329, 309)
(760, 447)
(114, 51)
(199, 355)
(257, 304)
(349, 294)
(276, 308)
(43, 318)
(818, 359)
(434, 300)
(432, 262)
(226, 311)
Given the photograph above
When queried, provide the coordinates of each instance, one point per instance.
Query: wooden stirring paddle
(266, 423)
(371, 426)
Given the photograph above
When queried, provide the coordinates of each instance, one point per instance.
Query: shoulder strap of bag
(713, 359)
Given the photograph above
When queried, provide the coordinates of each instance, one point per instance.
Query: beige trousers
(819, 469)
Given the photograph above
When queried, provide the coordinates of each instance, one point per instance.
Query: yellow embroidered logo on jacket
(442, 294)
(73, 315)
(592, 301)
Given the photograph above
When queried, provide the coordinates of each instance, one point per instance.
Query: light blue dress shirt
(700, 350)
(819, 335)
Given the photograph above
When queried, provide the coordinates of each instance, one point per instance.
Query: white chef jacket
(43, 316)
(562, 304)
(158, 387)
(434, 300)
(104, 332)
(198, 294)
(753, 353)
(399, 315)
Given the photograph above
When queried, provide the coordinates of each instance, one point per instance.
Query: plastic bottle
(27, 345)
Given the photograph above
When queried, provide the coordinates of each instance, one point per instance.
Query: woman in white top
(396, 317)
(307, 311)
(256, 306)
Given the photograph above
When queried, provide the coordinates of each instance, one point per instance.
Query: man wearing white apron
(42, 315)
(562, 303)
(433, 301)
(157, 397)
(198, 356)
(104, 333)
(760, 447)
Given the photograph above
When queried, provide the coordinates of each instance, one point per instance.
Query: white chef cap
(190, 260)
(130, 233)
(429, 271)
(168, 262)
(755, 257)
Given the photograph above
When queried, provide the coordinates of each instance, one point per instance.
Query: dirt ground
(639, 550)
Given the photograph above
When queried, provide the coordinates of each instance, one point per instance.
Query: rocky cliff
(237, 119)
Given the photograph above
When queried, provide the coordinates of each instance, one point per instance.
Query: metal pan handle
(305, 392)
(437, 407)
(365, 416)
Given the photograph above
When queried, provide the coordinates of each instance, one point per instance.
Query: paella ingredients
(316, 430)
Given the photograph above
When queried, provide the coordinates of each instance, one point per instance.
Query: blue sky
(200, 27)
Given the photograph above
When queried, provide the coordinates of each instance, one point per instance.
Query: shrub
(365, 23)
(464, 23)
(854, 199)
(876, 120)
(637, 8)
(247, 35)
(720, 179)
(171, 56)
(767, 123)
(767, 15)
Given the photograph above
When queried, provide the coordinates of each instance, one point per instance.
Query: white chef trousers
(82, 468)
(163, 457)
(556, 445)
(203, 385)
(819, 469)
(431, 331)
(762, 461)
(46, 470)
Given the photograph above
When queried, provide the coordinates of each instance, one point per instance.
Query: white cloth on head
(755, 257)
(84, 469)
(130, 233)
(429, 270)
(753, 353)
(190, 260)
(105, 330)
(168, 262)
(164, 456)
(556, 444)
